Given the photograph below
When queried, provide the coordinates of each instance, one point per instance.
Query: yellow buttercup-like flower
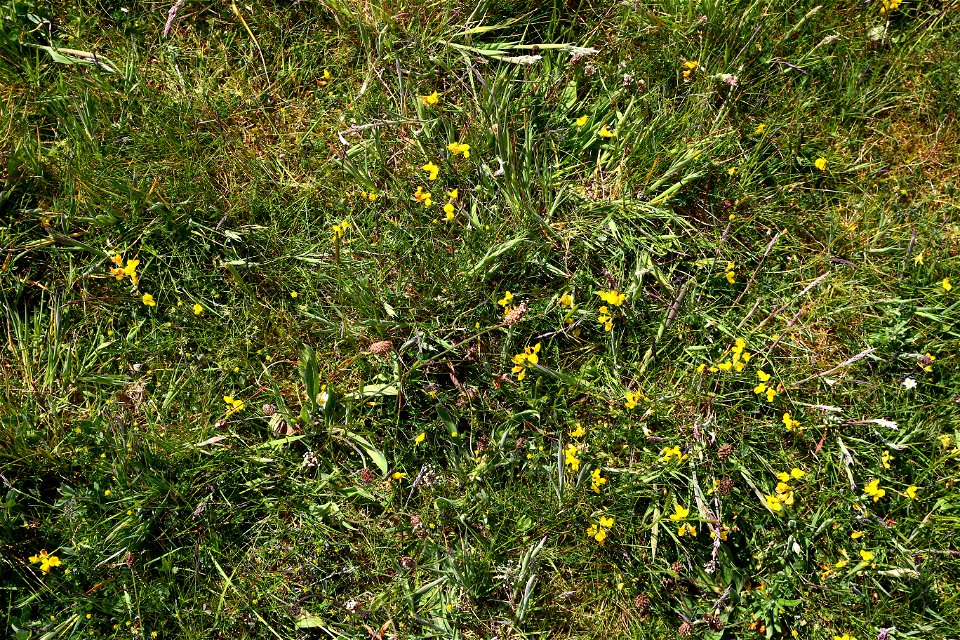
(431, 99)
(431, 169)
(197, 309)
(596, 481)
(148, 300)
(423, 197)
(679, 512)
(581, 121)
(605, 132)
(457, 148)
(873, 490)
(45, 560)
(820, 163)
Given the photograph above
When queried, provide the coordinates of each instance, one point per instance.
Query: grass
(330, 422)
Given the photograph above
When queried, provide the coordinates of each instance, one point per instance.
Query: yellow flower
(420, 438)
(456, 147)
(131, 270)
(820, 163)
(856, 535)
(687, 528)
(612, 296)
(448, 209)
(570, 458)
(771, 394)
(797, 473)
(946, 284)
(339, 230)
(453, 195)
(596, 480)
(790, 423)
(760, 129)
(763, 376)
(679, 512)
(885, 459)
(726, 365)
(505, 300)
(911, 492)
(107, 492)
(294, 294)
(605, 132)
(671, 453)
(918, 259)
(774, 503)
(839, 564)
(605, 319)
(45, 560)
(566, 300)
(431, 99)
(398, 475)
(432, 169)
(148, 300)
(197, 309)
(731, 277)
(873, 490)
(632, 399)
(423, 197)
(731, 171)
(581, 121)
(782, 487)
(579, 431)
(599, 531)
(688, 68)
(889, 5)
(866, 555)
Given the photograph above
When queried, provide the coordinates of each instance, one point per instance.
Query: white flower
(909, 383)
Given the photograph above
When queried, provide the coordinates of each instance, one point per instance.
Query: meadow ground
(500, 320)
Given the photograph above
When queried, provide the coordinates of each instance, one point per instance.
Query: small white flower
(909, 383)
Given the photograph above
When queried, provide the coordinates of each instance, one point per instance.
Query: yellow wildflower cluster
(448, 208)
(148, 300)
(873, 490)
(633, 398)
(339, 230)
(45, 560)
(423, 197)
(886, 6)
(672, 453)
(432, 169)
(505, 302)
(763, 387)
(579, 431)
(679, 514)
(458, 147)
(570, 458)
(431, 99)
(525, 360)
(599, 531)
(605, 132)
(738, 359)
(612, 296)
(566, 300)
(790, 423)
(688, 68)
(596, 480)
(731, 274)
(581, 121)
(120, 271)
(234, 404)
(369, 195)
(784, 492)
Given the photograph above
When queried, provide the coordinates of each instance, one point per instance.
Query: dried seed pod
(381, 348)
(269, 410)
(516, 315)
(715, 623)
(642, 603)
(366, 476)
(685, 629)
(725, 486)
(724, 452)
